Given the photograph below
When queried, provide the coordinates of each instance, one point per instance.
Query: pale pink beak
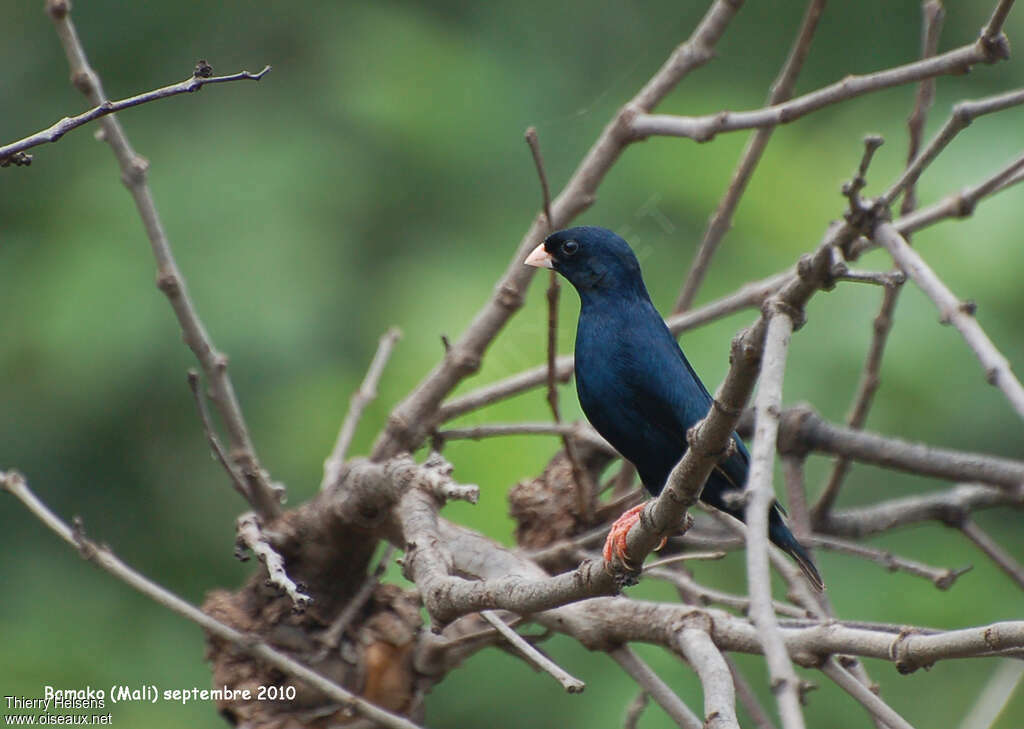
(540, 258)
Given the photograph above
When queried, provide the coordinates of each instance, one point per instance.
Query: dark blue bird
(634, 382)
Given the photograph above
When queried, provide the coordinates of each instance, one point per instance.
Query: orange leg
(615, 544)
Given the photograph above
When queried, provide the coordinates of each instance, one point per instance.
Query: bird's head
(594, 260)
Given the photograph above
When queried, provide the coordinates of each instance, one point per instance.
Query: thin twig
(721, 221)
(866, 388)
(635, 710)
(995, 696)
(584, 491)
(658, 690)
(861, 693)
(963, 114)
(362, 397)
(574, 431)
(250, 536)
(796, 497)
(958, 205)
(932, 17)
(570, 683)
(211, 437)
(958, 313)
(103, 557)
(265, 496)
(538, 161)
(695, 593)
(941, 578)
(748, 698)
(705, 128)
(332, 636)
(685, 557)
(59, 128)
(996, 553)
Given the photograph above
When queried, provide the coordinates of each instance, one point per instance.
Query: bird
(636, 386)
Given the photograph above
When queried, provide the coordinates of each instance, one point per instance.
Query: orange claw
(615, 544)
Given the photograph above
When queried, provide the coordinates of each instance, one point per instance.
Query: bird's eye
(570, 247)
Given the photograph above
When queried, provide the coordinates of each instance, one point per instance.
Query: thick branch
(803, 430)
(719, 693)
(761, 497)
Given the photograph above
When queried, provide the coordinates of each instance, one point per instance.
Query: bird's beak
(540, 258)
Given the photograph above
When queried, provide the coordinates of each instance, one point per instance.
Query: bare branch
(585, 492)
(960, 314)
(933, 15)
(704, 128)
(941, 578)
(362, 397)
(761, 496)
(570, 683)
(657, 689)
(102, 557)
(635, 710)
(721, 221)
(250, 536)
(997, 554)
(211, 437)
(958, 205)
(866, 388)
(869, 700)
(993, 699)
(538, 161)
(697, 594)
(59, 128)
(719, 693)
(949, 507)
(803, 430)
(963, 114)
(994, 27)
(265, 497)
(748, 698)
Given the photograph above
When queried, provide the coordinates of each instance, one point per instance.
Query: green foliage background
(378, 176)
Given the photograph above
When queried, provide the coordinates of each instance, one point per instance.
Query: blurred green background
(378, 176)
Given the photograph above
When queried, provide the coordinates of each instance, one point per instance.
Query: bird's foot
(615, 544)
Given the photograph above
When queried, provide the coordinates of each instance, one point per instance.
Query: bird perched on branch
(635, 384)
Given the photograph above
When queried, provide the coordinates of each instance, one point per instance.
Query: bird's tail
(782, 537)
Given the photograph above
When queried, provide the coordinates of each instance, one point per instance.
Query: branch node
(168, 282)
(202, 69)
(996, 47)
(58, 9)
